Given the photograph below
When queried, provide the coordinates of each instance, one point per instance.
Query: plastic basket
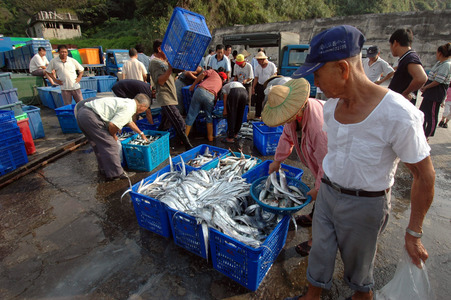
(148, 157)
(190, 154)
(151, 213)
(186, 39)
(58, 97)
(88, 93)
(10, 136)
(242, 263)
(256, 188)
(75, 55)
(26, 135)
(46, 96)
(12, 157)
(219, 126)
(266, 138)
(238, 154)
(89, 56)
(5, 81)
(35, 121)
(105, 83)
(21, 117)
(66, 118)
(187, 95)
(8, 97)
(6, 115)
(16, 107)
(187, 233)
(89, 83)
(263, 168)
(7, 125)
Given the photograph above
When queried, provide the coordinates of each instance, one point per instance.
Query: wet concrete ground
(66, 234)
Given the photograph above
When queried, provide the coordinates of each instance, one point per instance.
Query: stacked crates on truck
(12, 146)
(186, 39)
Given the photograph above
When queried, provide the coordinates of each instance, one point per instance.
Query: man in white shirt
(220, 60)
(100, 119)
(264, 70)
(133, 68)
(39, 63)
(375, 67)
(369, 130)
(66, 69)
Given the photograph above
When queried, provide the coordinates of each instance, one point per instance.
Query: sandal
(303, 249)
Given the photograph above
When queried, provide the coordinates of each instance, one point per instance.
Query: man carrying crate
(161, 73)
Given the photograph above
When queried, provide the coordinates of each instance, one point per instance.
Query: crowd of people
(352, 143)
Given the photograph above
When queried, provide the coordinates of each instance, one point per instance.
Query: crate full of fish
(266, 138)
(245, 264)
(237, 162)
(263, 168)
(200, 156)
(146, 155)
(150, 212)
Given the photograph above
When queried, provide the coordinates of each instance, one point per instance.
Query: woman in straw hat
(303, 118)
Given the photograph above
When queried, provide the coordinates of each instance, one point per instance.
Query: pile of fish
(246, 130)
(216, 199)
(236, 165)
(142, 142)
(202, 159)
(125, 135)
(278, 193)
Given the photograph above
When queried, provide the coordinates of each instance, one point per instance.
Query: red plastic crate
(27, 137)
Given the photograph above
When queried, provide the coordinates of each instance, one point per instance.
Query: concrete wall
(431, 29)
(56, 33)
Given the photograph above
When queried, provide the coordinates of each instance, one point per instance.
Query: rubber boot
(187, 130)
(210, 132)
(186, 142)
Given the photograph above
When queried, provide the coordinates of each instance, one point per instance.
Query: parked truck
(282, 48)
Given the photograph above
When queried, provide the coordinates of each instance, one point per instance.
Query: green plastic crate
(21, 117)
(75, 55)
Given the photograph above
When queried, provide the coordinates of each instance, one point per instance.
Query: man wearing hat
(288, 104)
(369, 129)
(374, 66)
(264, 70)
(242, 72)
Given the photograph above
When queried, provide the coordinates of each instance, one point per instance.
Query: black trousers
(236, 104)
(430, 108)
(260, 97)
(170, 116)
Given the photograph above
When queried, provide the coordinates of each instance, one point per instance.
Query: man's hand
(191, 88)
(274, 167)
(416, 250)
(59, 82)
(313, 192)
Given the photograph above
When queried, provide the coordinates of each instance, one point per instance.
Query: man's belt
(354, 192)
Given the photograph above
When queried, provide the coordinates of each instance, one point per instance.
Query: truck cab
(293, 56)
(115, 58)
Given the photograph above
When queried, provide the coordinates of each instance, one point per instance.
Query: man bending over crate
(100, 119)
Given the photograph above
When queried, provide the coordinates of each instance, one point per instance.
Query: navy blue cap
(333, 44)
(372, 51)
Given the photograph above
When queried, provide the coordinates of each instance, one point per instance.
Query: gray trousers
(103, 143)
(351, 224)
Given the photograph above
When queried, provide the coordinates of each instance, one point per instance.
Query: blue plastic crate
(148, 157)
(58, 98)
(66, 117)
(266, 138)
(8, 97)
(187, 233)
(187, 95)
(242, 263)
(2, 62)
(105, 83)
(190, 154)
(16, 107)
(219, 126)
(12, 156)
(46, 96)
(5, 81)
(263, 168)
(151, 213)
(6, 115)
(35, 121)
(10, 137)
(186, 39)
(6, 125)
(89, 83)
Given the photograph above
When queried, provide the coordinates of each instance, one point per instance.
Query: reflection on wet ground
(66, 234)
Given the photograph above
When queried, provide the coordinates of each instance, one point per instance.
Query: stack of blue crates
(12, 146)
(33, 46)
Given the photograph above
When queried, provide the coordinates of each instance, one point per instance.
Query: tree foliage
(128, 21)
